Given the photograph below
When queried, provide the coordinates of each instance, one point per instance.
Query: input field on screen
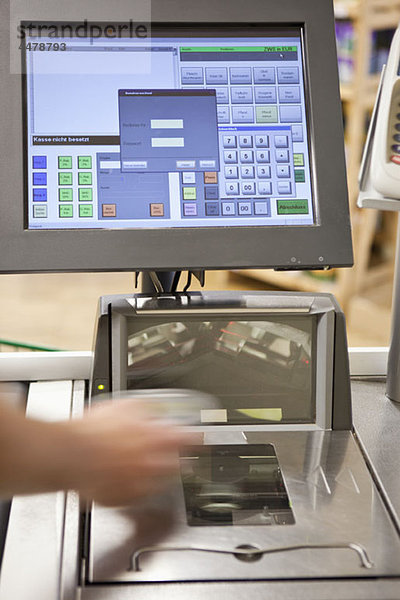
(110, 164)
(166, 123)
(164, 142)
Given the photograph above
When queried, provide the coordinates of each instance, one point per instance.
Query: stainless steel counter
(377, 425)
(377, 428)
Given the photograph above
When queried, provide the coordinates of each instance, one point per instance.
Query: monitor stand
(157, 281)
(167, 281)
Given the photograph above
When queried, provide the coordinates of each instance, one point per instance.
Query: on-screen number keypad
(252, 162)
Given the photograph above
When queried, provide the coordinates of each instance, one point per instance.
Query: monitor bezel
(327, 243)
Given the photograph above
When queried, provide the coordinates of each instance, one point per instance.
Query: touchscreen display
(198, 128)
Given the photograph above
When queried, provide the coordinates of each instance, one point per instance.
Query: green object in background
(12, 346)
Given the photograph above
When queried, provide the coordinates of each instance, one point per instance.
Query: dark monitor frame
(326, 244)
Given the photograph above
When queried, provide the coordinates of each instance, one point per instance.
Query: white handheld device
(385, 159)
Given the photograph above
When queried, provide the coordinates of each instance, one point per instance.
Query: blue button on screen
(39, 162)
(40, 195)
(212, 209)
(211, 192)
(39, 178)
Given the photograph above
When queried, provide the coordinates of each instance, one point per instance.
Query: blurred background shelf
(364, 29)
(295, 280)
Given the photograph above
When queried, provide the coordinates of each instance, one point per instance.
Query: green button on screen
(189, 193)
(85, 179)
(86, 210)
(65, 162)
(267, 114)
(66, 211)
(299, 175)
(84, 162)
(65, 179)
(85, 195)
(65, 195)
(292, 207)
(298, 160)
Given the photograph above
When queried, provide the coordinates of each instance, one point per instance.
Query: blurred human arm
(114, 454)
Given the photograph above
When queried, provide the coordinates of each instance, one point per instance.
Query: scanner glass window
(234, 485)
(261, 370)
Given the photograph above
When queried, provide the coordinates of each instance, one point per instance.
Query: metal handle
(250, 552)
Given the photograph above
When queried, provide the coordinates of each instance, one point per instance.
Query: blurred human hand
(118, 453)
(114, 454)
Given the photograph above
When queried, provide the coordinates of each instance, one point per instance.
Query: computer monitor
(200, 140)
